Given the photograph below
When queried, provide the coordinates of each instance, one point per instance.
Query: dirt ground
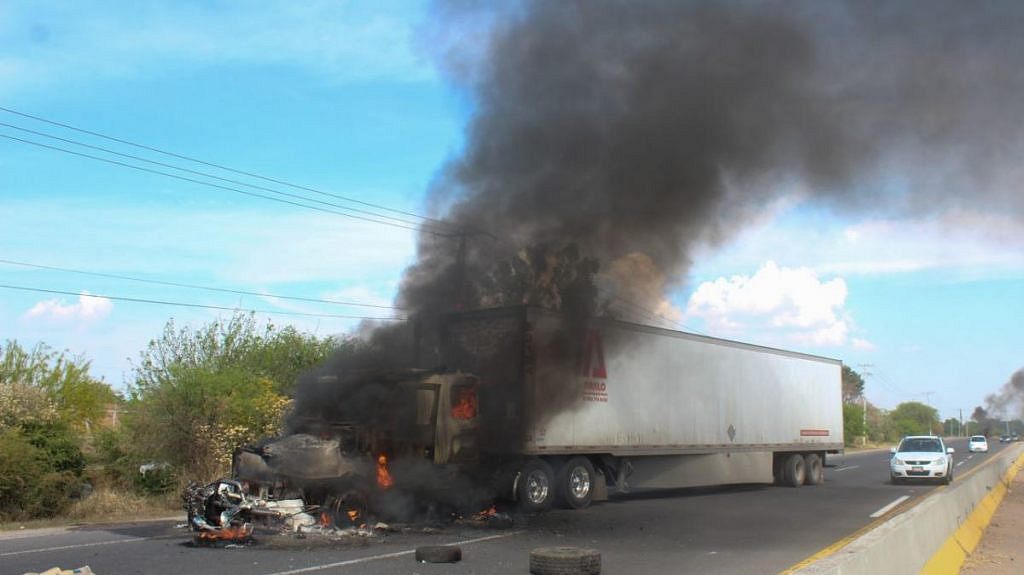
(1002, 546)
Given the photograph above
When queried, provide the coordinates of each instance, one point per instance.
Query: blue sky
(345, 97)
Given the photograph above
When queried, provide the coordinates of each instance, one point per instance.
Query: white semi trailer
(576, 408)
(543, 409)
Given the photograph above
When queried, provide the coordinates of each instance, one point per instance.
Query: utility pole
(961, 428)
(865, 370)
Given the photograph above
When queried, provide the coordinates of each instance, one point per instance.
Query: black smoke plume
(1008, 402)
(607, 140)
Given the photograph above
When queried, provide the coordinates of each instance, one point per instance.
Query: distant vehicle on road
(921, 457)
(1014, 437)
(977, 444)
(1004, 438)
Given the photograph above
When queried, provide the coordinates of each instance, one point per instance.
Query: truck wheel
(814, 471)
(536, 488)
(439, 554)
(794, 470)
(576, 483)
(565, 561)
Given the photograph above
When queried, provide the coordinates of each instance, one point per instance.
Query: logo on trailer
(591, 367)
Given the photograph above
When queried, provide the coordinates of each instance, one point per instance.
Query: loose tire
(576, 483)
(536, 488)
(794, 471)
(439, 554)
(565, 561)
(814, 471)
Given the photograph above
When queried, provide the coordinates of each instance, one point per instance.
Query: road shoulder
(1000, 551)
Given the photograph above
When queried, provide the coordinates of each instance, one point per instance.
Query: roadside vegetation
(866, 425)
(73, 448)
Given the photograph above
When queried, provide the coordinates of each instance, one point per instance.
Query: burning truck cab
(538, 409)
(417, 420)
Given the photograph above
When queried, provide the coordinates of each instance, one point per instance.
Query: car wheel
(565, 561)
(895, 480)
(949, 476)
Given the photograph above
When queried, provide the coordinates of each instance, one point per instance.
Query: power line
(207, 175)
(214, 165)
(196, 305)
(651, 315)
(194, 286)
(218, 186)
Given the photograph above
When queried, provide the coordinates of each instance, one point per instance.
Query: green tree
(199, 393)
(915, 418)
(853, 423)
(853, 385)
(951, 426)
(42, 384)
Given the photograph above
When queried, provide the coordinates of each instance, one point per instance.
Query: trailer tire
(565, 561)
(814, 473)
(794, 470)
(575, 483)
(439, 554)
(535, 490)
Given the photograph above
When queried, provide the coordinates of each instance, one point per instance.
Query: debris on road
(58, 571)
(565, 561)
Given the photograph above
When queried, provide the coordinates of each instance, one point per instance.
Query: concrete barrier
(936, 535)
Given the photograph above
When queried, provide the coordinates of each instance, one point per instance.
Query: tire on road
(949, 476)
(439, 554)
(575, 483)
(895, 480)
(535, 490)
(565, 561)
(794, 471)
(814, 470)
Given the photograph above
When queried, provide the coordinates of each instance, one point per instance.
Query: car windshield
(977, 439)
(920, 444)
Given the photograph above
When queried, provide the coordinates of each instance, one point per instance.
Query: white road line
(79, 545)
(961, 463)
(888, 507)
(385, 556)
(846, 468)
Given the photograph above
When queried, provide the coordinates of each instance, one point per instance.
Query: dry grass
(107, 505)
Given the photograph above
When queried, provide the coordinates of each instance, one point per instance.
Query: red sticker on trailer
(590, 366)
(814, 433)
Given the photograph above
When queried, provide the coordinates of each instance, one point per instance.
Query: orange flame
(240, 533)
(465, 407)
(352, 515)
(384, 480)
(489, 512)
(325, 519)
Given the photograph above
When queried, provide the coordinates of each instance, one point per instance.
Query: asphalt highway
(740, 529)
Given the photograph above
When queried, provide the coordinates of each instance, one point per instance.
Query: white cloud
(863, 344)
(88, 309)
(792, 302)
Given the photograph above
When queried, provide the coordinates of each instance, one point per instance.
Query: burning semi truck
(536, 409)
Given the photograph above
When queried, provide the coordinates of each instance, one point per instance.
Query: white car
(977, 443)
(921, 457)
